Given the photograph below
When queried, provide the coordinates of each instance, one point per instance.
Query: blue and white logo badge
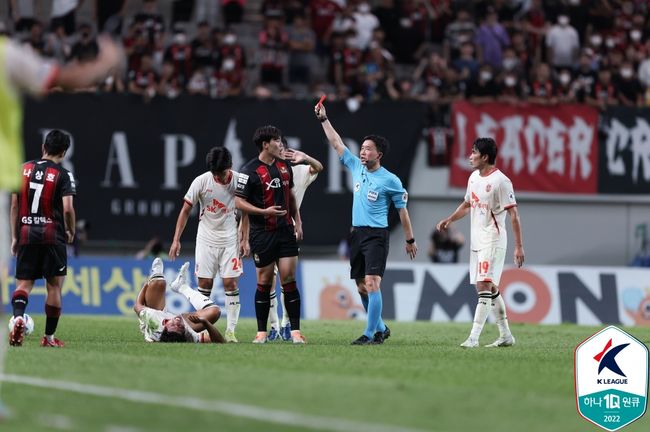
(611, 378)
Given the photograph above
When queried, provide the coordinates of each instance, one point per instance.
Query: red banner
(541, 148)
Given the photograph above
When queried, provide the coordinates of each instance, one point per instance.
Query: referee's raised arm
(331, 134)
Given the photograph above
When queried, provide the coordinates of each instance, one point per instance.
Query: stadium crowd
(436, 51)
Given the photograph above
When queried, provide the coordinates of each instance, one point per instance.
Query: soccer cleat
(273, 335)
(502, 342)
(157, 268)
(297, 337)
(181, 279)
(470, 343)
(55, 343)
(363, 340)
(229, 336)
(260, 338)
(285, 332)
(378, 338)
(386, 333)
(17, 333)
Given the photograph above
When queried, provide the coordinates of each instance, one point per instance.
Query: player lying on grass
(158, 325)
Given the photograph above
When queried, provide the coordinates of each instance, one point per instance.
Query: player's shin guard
(232, 309)
(273, 310)
(482, 311)
(19, 301)
(499, 310)
(292, 303)
(364, 301)
(196, 299)
(262, 303)
(375, 305)
(52, 314)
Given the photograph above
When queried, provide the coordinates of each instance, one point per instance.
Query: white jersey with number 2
(490, 196)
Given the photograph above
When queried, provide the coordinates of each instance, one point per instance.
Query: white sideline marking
(227, 408)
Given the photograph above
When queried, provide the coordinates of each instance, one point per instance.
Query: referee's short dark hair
(487, 146)
(218, 159)
(381, 143)
(265, 134)
(56, 142)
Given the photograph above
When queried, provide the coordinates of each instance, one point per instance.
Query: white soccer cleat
(181, 279)
(230, 336)
(502, 342)
(470, 343)
(157, 268)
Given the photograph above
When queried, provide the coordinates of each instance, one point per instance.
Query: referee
(374, 189)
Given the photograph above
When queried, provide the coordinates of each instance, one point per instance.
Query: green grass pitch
(420, 379)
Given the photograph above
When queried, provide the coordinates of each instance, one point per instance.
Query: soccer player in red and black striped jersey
(264, 192)
(42, 221)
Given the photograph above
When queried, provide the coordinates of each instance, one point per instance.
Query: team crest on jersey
(488, 187)
(49, 177)
(283, 170)
(511, 197)
(357, 186)
(256, 258)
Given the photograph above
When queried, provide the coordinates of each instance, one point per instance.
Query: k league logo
(611, 378)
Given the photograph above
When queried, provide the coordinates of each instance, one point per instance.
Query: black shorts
(368, 251)
(269, 246)
(41, 261)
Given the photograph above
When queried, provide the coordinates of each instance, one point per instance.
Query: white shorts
(486, 265)
(222, 261)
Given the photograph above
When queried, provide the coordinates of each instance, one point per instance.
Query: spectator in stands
(466, 65)
(411, 30)
(22, 13)
(441, 15)
(535, 27)
(491, 38)
(302, 42)
(113, 84)
(64, 12)
(231, 49)
(58, 45)
(461, 30)
(377, 75)
(542, 88)
(585, 78)
(151, 23)
(322, 14)
(511, 88)
(228, 80)
(444, 245)
(630, 92)
(36, 39)
(484, 89)
(233, 11)
(563, 44)
(522, 52)
(388, 20)
(144, 80)
(199, 82)
(274, 45)
(366, 22)
(180, 54)
(601, 15)
(168, 84)
(86, 48)
(603, 93)
(109, 15)
(565, 88)
(429, 77)
(202, 46)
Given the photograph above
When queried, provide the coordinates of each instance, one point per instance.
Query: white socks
(232, 309)
(499, 309)
(198, 300)
(285, 314)
(480, 315)
(273, 311)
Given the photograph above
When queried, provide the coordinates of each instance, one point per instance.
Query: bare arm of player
(297, 157)
(295, 214)
(332, 136)
(215, 336)
(69, 217)
(244, 231)
(79, 75)
(459, 213)
(139, 301)
(14, 224)
(183, 216)
(516, 230)
(405, 219)
(244, 205)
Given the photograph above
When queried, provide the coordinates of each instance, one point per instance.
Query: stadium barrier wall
(411, 291)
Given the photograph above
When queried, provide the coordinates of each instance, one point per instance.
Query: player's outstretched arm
(79, 75)
(459, 213)
(297, 157)
(332, 136)
(249, 208)
(405, 219)
(140, 300)
(215, 336)
(516, 230)
(183, 216)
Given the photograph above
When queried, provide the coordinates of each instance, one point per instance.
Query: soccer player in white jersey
(217, 246)
(158, 325)
(305, 170)
(489, 197)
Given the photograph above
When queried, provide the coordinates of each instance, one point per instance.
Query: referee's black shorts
(35, 261)
(368, 251)
(269, 246)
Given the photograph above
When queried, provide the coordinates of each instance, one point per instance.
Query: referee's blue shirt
(373, 193)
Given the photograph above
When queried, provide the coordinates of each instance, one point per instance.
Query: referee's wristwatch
(411, 241)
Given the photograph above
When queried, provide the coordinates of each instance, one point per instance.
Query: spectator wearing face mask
(565, 89)
(484, 89)
(228, 80)
(585, 78)
(231, 49)
(630, 92)
(510, 89)
(180, 54)
(563, 44)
